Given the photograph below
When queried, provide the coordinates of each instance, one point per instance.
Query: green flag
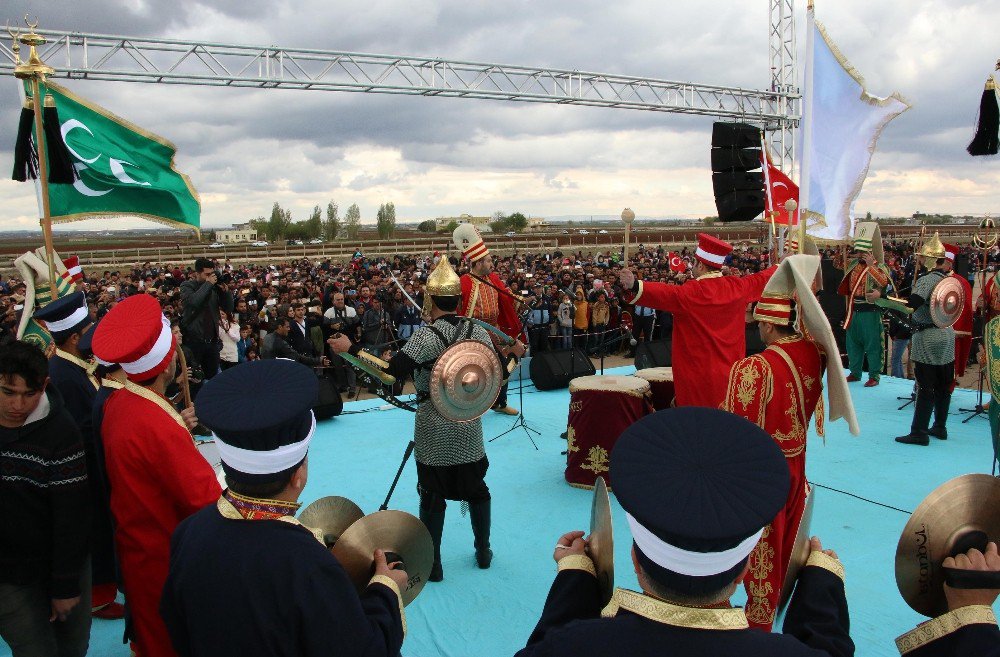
(124, 171)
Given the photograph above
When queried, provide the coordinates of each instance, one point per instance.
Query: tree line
(280, 225)
(499, 223)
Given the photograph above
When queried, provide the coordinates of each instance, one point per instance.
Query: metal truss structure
(784, 81)
(174, 61)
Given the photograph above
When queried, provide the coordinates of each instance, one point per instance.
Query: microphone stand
(520, 422)
(979, 408)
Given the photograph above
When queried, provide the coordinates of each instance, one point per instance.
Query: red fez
(137, 336)
(73, 269)
(712, 251)
(950, 251)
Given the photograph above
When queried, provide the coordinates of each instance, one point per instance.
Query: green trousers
(864, 337)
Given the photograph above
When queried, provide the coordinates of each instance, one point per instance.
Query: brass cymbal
(395, 532)
(602, 541)
(958, 515)
(800, 551)
(330, 516)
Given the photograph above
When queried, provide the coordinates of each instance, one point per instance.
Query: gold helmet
(443, 282)
(932, 251)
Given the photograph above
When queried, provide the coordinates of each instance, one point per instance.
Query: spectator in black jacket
(44, 569)
(201, 299)
(275, 345)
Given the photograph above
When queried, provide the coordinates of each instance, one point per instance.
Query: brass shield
(465, 381)
(947, 301)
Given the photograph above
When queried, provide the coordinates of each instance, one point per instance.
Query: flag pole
(806, 127)
(35, 70)
(777, 244)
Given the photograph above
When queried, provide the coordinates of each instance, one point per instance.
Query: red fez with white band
(74, 271)
(468, 240)
(950, 251)
(712, 251)
(137, 336)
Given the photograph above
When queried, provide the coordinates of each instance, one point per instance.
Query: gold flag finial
(15, 46)
(34, 67)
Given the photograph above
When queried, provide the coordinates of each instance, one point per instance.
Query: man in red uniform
(963, 327)
(709, 320)
(779, 390)
(481, 301)
(156, 475)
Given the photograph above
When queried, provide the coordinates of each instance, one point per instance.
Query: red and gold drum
(661, 385)
(600, 408)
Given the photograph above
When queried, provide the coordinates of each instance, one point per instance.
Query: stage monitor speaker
(328, 402)
(653, 354)
(740, 206)
(551, 370)
(735, 135)
(732, 181)
(962, 265)
(735, 159)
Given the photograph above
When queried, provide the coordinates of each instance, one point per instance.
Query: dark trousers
(206, 353)
(539, 339)
(25, 626)
(933, 394)
(642, 331)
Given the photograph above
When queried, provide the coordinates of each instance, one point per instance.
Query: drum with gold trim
(600, 408)
(661, 385)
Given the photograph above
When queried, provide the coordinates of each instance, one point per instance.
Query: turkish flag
(676, 263)
(780, 189)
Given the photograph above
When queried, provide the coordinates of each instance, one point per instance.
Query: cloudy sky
(246, 149)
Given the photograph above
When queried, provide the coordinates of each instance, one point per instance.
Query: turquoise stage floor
(490, 613)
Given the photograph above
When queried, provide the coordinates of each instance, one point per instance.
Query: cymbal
(955, 517)
(602, 541)
(331, 516)
(800, 551)
(393, 531)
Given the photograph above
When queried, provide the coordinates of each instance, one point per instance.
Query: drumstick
(185, 385)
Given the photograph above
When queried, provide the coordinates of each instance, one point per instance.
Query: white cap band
(693, 564)
(254, 462)
(711, 257)
(156, 355)
(57, 325)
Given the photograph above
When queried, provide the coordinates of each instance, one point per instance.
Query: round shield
(465, 381)
(947, 301)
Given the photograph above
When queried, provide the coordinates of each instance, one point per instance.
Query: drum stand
(979, 408)
(520, 422)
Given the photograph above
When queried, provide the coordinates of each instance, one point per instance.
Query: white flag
(841, 124)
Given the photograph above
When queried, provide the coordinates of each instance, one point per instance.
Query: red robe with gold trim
(778, 389)
(963, 329)
(157, 478)
(487, 304)
(709, 330)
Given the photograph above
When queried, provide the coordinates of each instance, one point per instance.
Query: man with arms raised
(709, 312)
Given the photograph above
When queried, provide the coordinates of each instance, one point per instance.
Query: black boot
(923, 407)
(941, 405)
(480, 514)
(432, 510)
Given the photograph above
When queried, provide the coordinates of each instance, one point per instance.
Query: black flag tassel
(23, 154)
(987, 139)
(60, 162)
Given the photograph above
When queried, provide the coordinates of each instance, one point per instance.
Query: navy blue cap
(261, 414)
(65, 316)
(702, 481)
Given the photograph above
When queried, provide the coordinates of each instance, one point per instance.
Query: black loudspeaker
(962, 265)
(328, 401)
(742, 205)
(728, 181)
(653, 354)
(735, 159)
(551, 370)
(735, 135)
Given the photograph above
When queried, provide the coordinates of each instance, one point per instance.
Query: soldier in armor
(932, 351)
(451, 456)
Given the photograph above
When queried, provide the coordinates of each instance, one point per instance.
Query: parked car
(315, 240)
(511, 233)
(602, 232)
(565, 232)
(258, 243)
(294, 242)
(216, 245)
(583, 232)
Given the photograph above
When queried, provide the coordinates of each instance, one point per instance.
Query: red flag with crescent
(677, 263)
(779, 190)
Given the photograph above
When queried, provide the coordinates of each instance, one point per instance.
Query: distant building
(443, 222)
(537, 224)
(238, 233)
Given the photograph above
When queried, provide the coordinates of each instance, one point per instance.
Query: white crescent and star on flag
(115, 165)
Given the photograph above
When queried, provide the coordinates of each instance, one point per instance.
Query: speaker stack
(653, 354)
(554, 369)
(736, 182)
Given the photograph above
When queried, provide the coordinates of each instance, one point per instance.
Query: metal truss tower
(784, 82)
(175, 61)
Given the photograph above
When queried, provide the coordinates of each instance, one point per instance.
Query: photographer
(343, 319)
(201, 298)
